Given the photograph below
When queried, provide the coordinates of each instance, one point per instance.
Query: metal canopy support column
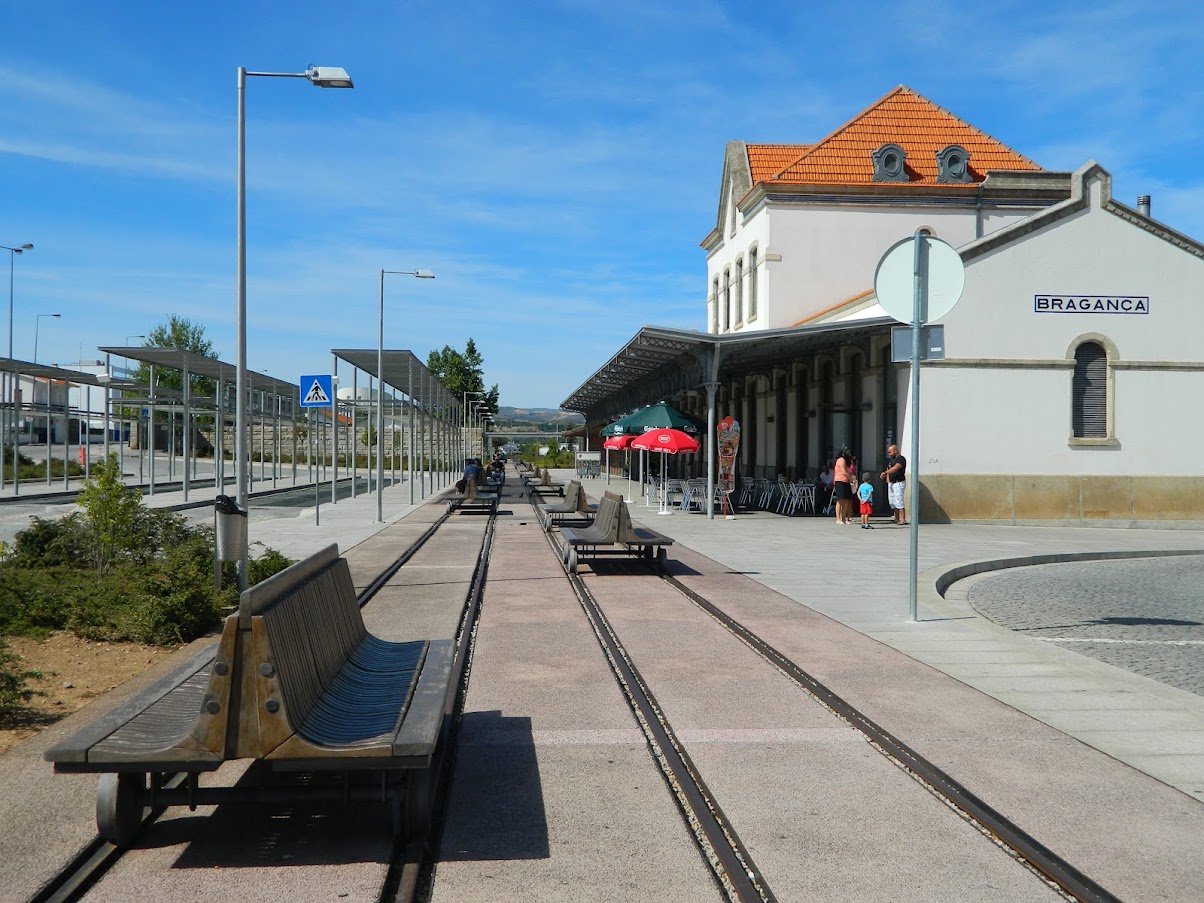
(219, 436)
(187, 444)
(410, 400)
(150, 433)
(334, 427)
(355, 416)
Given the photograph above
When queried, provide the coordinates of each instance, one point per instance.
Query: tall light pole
(464, 419)
(380, 384)
(321, 77)
(37, 323)
(474, 412)
(12, 255)
(10, 379)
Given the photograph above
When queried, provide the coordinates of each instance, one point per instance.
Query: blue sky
(555, 163)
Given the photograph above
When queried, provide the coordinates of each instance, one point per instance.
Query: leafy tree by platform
(178, 332)
(463, 372)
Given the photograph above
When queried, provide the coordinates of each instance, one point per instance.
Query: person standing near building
(865, 493)
(896, 482)
(842, 491)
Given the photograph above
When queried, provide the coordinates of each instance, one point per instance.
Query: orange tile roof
(766, 160)
(909, 120)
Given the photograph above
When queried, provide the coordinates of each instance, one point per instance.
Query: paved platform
(859, 578)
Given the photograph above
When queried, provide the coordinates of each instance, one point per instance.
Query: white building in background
(1072, 357)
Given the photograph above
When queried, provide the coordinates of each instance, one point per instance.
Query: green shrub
(13, 692)
(269, 563)
(50, 543)
(121, 572)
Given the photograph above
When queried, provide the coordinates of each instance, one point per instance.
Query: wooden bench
(613, 533)
(576, 507)
(473, 498)
(542, 484)
(297, 681)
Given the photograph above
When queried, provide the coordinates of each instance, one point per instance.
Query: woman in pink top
(842, 492)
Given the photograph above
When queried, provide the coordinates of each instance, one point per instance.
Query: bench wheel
(119, 805)
(570, 560)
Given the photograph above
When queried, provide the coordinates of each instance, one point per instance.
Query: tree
(463, 372)
(178, 332)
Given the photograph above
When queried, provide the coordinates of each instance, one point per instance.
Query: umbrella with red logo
(667, 442)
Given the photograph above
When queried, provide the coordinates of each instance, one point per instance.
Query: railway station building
(1068, 360)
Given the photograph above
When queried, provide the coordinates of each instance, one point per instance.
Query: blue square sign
(317, 390)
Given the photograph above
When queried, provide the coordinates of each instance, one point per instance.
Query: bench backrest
(573, 496)
(305, 622)
(583, 505)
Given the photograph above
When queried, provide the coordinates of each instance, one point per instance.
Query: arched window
(738, 320)
(752, 284)
(715, 305)
(1089, 392)
(727, 301)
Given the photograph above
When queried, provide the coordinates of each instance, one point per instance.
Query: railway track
(410, 868)
(410, 857)
(719, 843)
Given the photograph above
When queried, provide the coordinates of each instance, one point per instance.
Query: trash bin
(231, 528)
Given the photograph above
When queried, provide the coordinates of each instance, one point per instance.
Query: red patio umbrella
(667, 442)
(618, 443)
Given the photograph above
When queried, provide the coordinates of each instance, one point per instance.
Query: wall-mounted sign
(1091, 304)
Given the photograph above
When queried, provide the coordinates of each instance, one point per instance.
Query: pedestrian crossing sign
(317, 390)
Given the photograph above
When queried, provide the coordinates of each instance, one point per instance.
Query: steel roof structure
(199, 365)
(659, 362)
(402, 370)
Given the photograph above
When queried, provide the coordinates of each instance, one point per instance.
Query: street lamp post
(10, 378)
(12, 255)
(464, 420)
(474, 412)
(380, 383)
(321, 77)
(37, 323)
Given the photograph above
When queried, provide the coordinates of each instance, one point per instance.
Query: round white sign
(942, 278)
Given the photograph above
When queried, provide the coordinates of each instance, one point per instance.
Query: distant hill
(538, 415)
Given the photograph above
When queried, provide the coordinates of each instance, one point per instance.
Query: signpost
(918, 280)
(317, 391)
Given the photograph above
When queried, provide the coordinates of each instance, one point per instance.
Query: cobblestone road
(1144, 615)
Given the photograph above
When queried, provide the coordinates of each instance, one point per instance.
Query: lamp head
(329, 77)
(25, 247)
(424, 274)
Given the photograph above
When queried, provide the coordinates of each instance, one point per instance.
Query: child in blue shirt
(865, 492)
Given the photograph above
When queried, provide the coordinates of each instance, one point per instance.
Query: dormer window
(889, 162)
(953, 164)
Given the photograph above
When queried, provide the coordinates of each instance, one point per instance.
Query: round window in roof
(889, 164)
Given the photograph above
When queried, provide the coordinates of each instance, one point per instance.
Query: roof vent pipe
(1143, 204)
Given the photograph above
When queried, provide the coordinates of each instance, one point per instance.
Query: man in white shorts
(896, 482)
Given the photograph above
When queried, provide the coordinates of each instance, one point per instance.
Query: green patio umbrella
(659, 416)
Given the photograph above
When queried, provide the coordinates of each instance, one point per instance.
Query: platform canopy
(402, 370)
(660, 362)
(199, 365)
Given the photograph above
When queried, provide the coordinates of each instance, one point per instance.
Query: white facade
(776, 259)
(1001, 402)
